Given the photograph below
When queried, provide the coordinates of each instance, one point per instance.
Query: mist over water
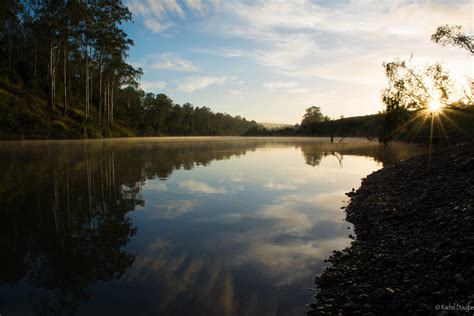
(208, 226)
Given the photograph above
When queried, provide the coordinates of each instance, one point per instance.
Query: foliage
(453, 35)
(412, 91)
(63, 74)
(313, 115)
(367, 126)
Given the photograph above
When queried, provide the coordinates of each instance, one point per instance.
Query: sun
(434, 106)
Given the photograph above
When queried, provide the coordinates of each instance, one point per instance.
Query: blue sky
(270, 60)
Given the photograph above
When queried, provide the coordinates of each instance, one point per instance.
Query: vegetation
(63, 74)
(453, 35)
(367, 126)
(421, 104)
(421, 97)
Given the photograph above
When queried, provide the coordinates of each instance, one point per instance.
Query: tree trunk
(65, 77)
(9, 51)
(53, 61)
(36, 55)
(112, 101)
(90, 83)
(86, 60)
(50, 75)
(106, 99)
(100, 94)
(101, 67)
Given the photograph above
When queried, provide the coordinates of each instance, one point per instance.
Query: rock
(406, 261)
(362, 297)
(431, 286)
(377, 294)
(389, 290)
(459, 280)
(348, 306)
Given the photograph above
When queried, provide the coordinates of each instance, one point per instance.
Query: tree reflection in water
(383, 154)
(64, 223)
(64, 211)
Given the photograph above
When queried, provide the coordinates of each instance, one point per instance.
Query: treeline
(63, 74)
(314, 123)
(368, 126)
(151, 114)
(454, 124)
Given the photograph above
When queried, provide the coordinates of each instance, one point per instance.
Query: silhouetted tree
(312, 116)
(453, 35)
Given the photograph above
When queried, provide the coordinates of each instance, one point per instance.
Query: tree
(312, 117)
(411, 90)
(73, 54)
(453, 35)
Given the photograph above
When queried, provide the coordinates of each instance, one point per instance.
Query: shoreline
(187, 138)
(413, 254)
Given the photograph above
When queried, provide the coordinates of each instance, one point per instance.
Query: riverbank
(414, 222)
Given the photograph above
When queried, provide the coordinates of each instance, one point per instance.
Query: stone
(377, 294)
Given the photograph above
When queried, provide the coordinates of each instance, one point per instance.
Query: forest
(64, 74)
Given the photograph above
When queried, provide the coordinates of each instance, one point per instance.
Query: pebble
(403, 262)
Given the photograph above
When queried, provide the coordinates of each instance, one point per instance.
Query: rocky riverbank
(414, 251)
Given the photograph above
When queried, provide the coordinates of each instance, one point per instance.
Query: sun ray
(419, 127)
(412, 119)
(431, 141)
(449, 120)
(441, 127)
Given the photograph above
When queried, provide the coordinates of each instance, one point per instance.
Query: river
(175, 226)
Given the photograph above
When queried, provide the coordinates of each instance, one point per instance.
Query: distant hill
(357, 126)
(275, 125)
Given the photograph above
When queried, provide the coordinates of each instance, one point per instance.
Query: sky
(270, 60)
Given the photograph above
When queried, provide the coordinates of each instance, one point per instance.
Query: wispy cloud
(192, 84)
(172, 209)
(291, 87)
(273, 186)
(156, 14)
(301, 38)
(196, 5)
(155, 185)
(272, 85)
(236, 93)
(323, 45)
(152, 85)
(223, 52)
(201, 187)
(170, 61)
(155, 25)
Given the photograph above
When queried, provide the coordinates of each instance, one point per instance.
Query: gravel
(414, 247)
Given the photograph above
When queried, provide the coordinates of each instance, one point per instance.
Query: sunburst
(434, 106)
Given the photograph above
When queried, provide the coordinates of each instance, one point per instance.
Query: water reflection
(152, 226)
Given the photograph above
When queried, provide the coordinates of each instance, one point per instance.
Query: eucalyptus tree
(111, 48)
(454, 35)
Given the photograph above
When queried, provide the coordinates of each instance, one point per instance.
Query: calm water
(217, 226)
